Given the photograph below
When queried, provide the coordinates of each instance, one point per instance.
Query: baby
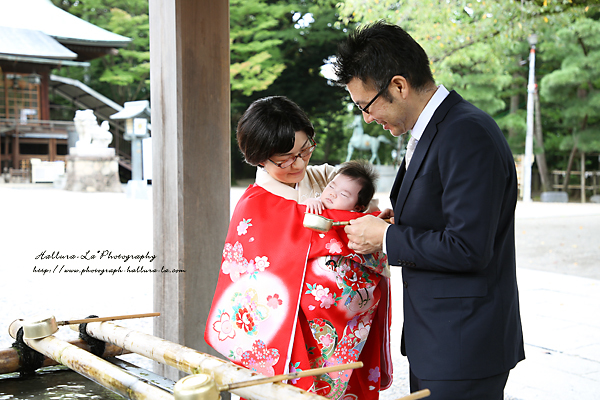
(351, 189)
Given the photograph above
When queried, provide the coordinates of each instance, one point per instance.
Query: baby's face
(341, 194)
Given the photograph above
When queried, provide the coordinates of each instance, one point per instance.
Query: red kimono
(290, 299)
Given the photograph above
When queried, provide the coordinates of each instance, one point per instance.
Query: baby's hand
(314, 206)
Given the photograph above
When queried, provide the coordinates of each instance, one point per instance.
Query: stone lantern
(136, 115)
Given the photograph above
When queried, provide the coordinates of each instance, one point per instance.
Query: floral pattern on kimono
(304, 303)
(339, 309)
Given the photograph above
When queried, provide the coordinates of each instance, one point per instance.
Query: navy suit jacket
(454, 237)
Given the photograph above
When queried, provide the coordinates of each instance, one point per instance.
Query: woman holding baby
(288, 298)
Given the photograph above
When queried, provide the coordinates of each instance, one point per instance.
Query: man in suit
(453, 227)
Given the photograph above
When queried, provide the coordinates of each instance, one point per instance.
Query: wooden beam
(189, 50)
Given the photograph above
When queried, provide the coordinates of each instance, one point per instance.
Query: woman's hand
(314, 206)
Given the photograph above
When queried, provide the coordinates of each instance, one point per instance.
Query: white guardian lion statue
(91, 135)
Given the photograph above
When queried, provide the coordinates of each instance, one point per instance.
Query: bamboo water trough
(123, 340)
(191, 361)
(92, 367)
(10, 361)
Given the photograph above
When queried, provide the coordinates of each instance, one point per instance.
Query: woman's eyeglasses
(303, 154)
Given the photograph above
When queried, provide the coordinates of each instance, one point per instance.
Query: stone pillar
(189, 50)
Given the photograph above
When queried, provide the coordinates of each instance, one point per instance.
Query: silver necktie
(410, 149)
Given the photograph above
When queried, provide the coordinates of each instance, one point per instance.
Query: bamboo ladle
(202, 386)
(41, 327)
(318, 223)
(417, 395)
(293, 375)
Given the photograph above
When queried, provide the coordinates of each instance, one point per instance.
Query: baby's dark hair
(364, 173)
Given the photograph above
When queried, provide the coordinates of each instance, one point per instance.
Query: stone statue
(102, 136)
(361, 141)
(90, 134)
(91, 165)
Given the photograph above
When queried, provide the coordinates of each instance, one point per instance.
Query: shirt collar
(438, 97)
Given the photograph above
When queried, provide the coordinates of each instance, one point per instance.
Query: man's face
(393, 116)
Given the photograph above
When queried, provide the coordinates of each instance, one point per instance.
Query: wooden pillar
(43, 95)
(16, 150)
(189, 50)
(52, 149)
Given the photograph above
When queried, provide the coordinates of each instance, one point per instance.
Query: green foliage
(306, 35)
(480, 49)
(575, 85)
(256, 32)
(123, 76)
(277, 48)
(516, 122)
(477, 47)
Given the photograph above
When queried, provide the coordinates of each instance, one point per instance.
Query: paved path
(558, 251)
(558, 261)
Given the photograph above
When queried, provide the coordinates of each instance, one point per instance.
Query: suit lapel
(397, 183)
(403, 183)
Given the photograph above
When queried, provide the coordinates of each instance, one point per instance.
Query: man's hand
(388, 213)
(365, 234)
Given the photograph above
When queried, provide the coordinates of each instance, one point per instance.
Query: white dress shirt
(417, 131)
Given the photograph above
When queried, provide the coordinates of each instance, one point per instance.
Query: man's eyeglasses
(303, 154)
(365, 109)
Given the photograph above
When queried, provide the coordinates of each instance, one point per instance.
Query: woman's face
(294, 173)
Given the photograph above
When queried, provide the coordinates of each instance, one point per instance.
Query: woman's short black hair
(269, 127)
(377, 52)
(366, 176)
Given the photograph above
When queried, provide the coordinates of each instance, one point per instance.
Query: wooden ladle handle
(102, 319)
(294, 375)
(417, 395)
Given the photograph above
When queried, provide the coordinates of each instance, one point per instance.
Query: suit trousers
(491, 388)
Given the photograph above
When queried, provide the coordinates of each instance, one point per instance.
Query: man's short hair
(377, 52)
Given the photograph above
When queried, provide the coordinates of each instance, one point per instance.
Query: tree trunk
(582, 176)
(540, 153)
(574, 150)
(514, 105)
(327, 149)
(569, 167)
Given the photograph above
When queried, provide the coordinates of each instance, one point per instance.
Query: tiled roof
(42, 15)
(30, 43)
